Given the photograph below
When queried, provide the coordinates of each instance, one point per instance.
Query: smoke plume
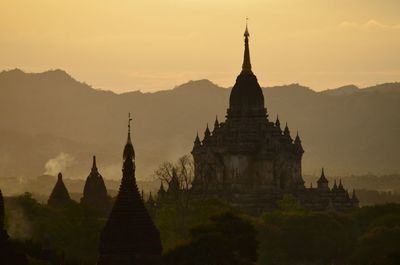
(58, 164)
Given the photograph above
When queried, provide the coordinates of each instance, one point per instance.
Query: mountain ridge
(348, 133)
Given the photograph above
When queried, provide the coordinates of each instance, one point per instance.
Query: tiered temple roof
(130, 236)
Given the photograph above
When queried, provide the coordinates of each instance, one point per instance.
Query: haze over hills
(50, 122)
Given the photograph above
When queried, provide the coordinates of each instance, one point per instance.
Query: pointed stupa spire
(334, 185)
(197, 141)
(216, 123)
(341, 185)
(246, 67)
(286, 133)
(94, 165)
(323, 181)
(297, 142)
(129, 236)
(207, 132)
(297, 139)
(277, 122)
(95, 192)
(129, 151)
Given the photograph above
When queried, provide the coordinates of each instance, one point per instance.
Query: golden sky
(154, 45)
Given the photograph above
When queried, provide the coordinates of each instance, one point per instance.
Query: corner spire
(246, 67)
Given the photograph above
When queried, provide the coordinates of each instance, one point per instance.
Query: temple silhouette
(9, 254)
(59, 195)
(130, 236)
(250, 162)
(95, 192)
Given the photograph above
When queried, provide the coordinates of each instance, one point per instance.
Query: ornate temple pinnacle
(129, 151)
(246, 67)
(94, 165)
(129, 127)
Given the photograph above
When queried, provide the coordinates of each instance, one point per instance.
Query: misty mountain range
(51, 122)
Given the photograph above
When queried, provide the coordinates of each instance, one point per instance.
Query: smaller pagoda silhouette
(95, 191)
(59, 196)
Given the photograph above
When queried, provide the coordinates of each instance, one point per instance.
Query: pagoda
(60, 195)
(130, 236)
(95, 191)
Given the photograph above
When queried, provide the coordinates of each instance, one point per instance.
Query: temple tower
(59, 196)
(130, 236)
(3, 232)
(95, 191)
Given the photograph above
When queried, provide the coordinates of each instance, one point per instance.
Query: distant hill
(348, 130)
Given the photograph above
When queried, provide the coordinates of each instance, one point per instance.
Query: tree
(226, 239)
(380, 246)
(179, 177)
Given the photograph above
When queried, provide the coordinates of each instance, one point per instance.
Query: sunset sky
(151, 45)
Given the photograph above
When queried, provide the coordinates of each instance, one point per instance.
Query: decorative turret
(129, 236)
(323, 181)
(216, 124)
(95, 191)
(298, 145)
(286, 133)
(207, 132)
(59, 196)
(278, 124)
(197, 143)
(197, 140)
(334, 188)
(341, 188)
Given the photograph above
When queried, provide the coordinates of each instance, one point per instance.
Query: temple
(3, 232)
(250, 161)
(10, 254)
(60, 195)
(95, 191)
(130, 236)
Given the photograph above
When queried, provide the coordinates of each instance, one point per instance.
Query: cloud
(58, 164)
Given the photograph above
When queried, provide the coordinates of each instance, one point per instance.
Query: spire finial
(246, 67)
(246, 32)
(94, 166)
(129, 122)
(128, 150)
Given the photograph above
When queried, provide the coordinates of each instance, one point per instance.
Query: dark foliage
(225, 239)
